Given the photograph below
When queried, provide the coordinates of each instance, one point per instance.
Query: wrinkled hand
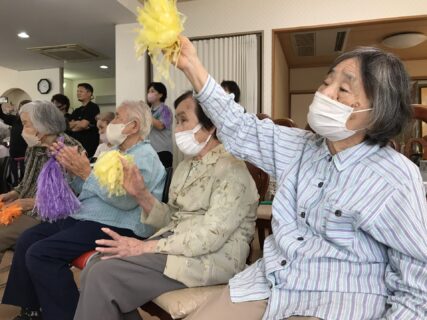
(26, 204)
(133, 181)
(75, 162)
(8, 197)
(189, 63)
(120, 246)
(188, 54)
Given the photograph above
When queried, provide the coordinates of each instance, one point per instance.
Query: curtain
(234, 58)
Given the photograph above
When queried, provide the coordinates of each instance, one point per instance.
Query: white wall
(27, 81)
(131, 74)
(207, 18)
(101, 87)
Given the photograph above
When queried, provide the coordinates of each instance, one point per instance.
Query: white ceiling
(53, 22)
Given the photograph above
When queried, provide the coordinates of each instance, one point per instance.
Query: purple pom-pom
(54, 198)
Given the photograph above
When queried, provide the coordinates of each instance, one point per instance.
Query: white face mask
(151, 97)
(328, 118)
(31, 139)
(114, 133)
(187, 143)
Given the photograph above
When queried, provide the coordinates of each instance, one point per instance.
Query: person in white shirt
(103, 119)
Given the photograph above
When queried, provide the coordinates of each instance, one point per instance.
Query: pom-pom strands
(8, 213)
(54, 198)
(161, 24)
(108, 170)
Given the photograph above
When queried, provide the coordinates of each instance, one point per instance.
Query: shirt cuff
(206, 91)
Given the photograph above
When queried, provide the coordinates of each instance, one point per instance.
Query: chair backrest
(420, 112)
(165, 195)
(4, 174)
(286, 122)
(261, 180)
(416, 147)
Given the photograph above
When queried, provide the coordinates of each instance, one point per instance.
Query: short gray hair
(386, 84)
(45, 117)
(140, 111)
(106, 116)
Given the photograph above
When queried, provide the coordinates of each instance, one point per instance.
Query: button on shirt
(350, 231)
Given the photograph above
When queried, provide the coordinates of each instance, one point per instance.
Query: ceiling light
(404, 40)
(103, 67)
(23, 35)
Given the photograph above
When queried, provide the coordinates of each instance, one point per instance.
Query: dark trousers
(166, 158)
(40, 276)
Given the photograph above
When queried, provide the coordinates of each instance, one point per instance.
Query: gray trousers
(114, 289)
(10, 233)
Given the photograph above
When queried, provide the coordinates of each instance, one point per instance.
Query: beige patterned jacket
(211, 212)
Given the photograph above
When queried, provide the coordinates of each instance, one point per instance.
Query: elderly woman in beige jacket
(204, 231)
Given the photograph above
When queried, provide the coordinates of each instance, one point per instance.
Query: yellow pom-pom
(108, 170)
(161, 24)
(8, 213)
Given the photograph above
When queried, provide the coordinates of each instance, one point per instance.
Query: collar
(128, 150)
(154, 109)
(213, 155)
(347, 157)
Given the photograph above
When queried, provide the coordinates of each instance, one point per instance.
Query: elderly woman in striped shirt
(349, 217)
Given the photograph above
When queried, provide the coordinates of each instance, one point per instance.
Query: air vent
(327, 42)
(339, 41)
(68, 52)
(305, 44)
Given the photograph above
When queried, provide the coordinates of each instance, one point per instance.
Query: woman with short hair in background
(161, 131)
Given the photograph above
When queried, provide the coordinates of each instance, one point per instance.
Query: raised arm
(267, 146)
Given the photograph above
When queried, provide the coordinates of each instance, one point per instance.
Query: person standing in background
(83, 120)
(102, 121)
(231, 86)
(161, 131)
(63, 104)
(18, 146)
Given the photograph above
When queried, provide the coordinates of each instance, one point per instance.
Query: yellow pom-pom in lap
(161, 24)
(108, 170)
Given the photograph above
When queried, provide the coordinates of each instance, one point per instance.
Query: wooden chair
(417, 147)
(261, 179)
(286, 122)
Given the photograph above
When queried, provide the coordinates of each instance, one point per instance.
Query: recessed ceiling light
(404, 40)
(23, 35)
(103, 67)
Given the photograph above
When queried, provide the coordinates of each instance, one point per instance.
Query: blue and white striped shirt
(349, 231)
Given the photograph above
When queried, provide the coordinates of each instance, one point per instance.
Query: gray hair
(106, 116)
(386, 84)
(45, 117)
(140, 111)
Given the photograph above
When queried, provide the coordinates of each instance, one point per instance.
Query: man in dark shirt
(82, 120)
